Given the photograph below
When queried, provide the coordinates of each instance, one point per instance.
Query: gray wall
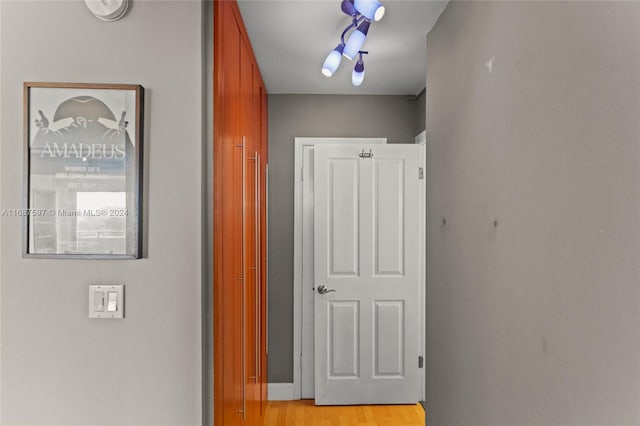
(57, 366)
(290, 116)
(532, 111)
(421, 112)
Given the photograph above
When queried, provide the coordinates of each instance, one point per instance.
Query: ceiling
(291, 39)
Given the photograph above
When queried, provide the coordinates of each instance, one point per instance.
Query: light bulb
(357, 76)
(356, 40)
(332, 62)
(372, 9)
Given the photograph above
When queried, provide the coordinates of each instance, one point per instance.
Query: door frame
(300, 143)
(421, 139)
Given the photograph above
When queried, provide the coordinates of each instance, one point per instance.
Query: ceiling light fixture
(362, 12)
(356, 40)
(348, 8)
(332, 62)
(372, 9)
(357, 76)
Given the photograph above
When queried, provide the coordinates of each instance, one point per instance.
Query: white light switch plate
(106, 301)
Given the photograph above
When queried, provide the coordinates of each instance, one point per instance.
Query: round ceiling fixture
(108, 10)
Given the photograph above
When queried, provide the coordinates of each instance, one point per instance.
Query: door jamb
(421, 139)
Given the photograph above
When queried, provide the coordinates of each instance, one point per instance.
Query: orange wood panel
(239, 294)
(227, 221)
(263, 248)
(233, 5)
(247, 123)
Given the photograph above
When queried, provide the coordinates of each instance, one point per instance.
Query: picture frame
(83, 147)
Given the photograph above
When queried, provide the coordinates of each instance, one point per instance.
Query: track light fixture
(362, 12)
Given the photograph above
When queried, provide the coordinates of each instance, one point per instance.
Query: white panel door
(367, 258)
(304, 258)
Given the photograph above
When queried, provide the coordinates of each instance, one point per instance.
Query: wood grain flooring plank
(305, 413)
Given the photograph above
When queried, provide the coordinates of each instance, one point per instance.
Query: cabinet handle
(266, 258)
(258, 263)
(243, 411)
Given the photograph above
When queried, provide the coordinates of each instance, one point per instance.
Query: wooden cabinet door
(228, 179)
(263, 249)
(250, 239)
(239, 220)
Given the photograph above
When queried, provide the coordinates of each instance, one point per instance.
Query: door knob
(322, 289)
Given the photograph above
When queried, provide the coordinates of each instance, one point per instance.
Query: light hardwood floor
(304, 413)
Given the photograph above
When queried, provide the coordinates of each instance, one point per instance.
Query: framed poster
(83, 170)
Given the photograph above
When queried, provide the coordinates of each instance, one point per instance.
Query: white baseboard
(280, 391)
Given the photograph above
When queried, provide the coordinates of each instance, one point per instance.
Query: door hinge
(420, 362)
(420, 173)
(302, 174)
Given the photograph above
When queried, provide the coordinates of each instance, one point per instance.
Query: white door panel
(388, 339)
(388, 206)
(344, 217)
(366, 249)
(344, 331)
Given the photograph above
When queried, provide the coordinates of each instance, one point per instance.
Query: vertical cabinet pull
(266, 258)
(258, 264)
(258, 272)
(243, 411)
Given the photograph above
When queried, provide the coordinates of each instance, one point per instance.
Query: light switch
(98, 301)
(106, 301)
(112, 305)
